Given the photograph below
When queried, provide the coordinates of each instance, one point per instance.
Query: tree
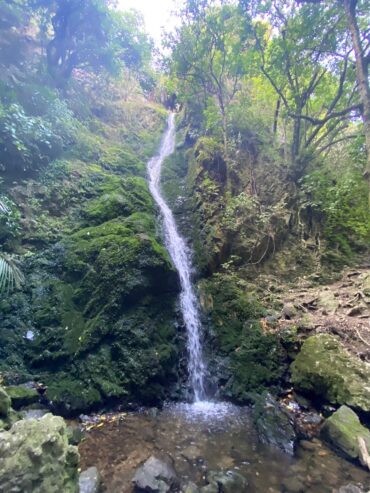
(355, 10)
(209, 55)
(307, 61)
(89, 35)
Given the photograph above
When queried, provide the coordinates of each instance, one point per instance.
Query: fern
(3, 208)
(10, 275)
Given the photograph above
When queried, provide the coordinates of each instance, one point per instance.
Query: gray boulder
(342, 431)
(273, 424)
(350, 488)
(35, 457)
(155, 476)
(90, 481)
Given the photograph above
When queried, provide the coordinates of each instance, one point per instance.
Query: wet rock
(22, 395)
(312, 418)
(75, 434)
(342, 431)
(155, 476)
(210, 488)
(350, 488)
(90, 481)
(273, 424)
(4, 403)
(307, 445)
(324, 368)
(191, 453)
(34, 413)
(294, 484)
(228, 482)
(190, 488)
(35, 456)
(307, 424)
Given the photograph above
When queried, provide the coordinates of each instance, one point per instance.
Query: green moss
(22, 396)
(342, 430)
(71, 395)
(123, 161)
(119, 198)
(325, 369)
(255, 360)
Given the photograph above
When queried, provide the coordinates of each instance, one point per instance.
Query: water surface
(207, 437)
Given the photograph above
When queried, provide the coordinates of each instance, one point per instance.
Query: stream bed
(212, 437)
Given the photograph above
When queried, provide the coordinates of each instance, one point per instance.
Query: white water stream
(179, 253)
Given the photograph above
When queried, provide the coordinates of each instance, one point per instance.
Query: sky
(157, 14)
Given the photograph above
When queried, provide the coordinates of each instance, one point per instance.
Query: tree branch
(318, 121)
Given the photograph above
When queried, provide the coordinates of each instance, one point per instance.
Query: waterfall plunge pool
(208, 436)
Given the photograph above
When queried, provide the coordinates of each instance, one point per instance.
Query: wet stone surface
(212, 439)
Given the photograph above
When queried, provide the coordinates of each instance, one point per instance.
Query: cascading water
(180, 257)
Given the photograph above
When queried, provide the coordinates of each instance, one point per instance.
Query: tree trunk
(362, 77)
(276, 117)
(296, 143)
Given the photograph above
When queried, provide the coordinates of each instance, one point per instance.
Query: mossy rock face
(250, 360)
(102, 307)
(5, 403)
(105, 323)
(325, 369)
(35, 456)
(342, 431)
(119, 197)
(96, 319)
(22, 396)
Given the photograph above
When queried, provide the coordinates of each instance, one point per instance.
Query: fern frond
(10, 275)
(3, 208)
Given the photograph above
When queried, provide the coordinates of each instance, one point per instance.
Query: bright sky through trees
(157, 14)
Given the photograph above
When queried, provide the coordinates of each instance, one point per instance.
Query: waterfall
(179, 254)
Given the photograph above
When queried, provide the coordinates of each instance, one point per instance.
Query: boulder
(190, 488)
(210, 488)
(90, 481)
(155, 476)
(325, 369)
(35, 457)
(342, 431)
(75, 435)
(350, 488)
(22, 395)
(273, 424)
(227, 482)
(5, 403)
(35, 414)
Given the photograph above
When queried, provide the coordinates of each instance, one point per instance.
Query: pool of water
(212, 437)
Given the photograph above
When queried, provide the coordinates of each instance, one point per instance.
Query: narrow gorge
(184, 247)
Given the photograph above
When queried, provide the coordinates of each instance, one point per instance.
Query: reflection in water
(205, 437)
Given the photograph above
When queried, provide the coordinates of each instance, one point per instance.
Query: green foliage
(255, 358)
(10, 275)
(342, 201)
(30, 142)
(91, 36)
(9, 221)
